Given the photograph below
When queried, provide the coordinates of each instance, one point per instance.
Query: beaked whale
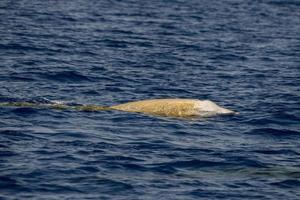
(174, 108)
(159, 107)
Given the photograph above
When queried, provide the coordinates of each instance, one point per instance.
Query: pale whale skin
(174, 108)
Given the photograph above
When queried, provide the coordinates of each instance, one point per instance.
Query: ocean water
(243, 55)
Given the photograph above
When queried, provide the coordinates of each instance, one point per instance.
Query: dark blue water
(244, 55)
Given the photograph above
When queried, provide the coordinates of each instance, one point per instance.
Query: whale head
(209, 108)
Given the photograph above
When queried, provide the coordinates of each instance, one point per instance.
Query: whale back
(173, 107)
(161, 107)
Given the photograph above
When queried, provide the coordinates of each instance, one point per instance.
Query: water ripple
(244, 55)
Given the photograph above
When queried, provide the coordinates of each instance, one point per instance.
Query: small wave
(284, 2)
(56, 188)
(241, 161)
(5, 153)
(290, 183)
(273, 132)
(8, 183)
(16, 135)
(26, 111)
(115, 43)
(20, 47)
(104, 184)
(65, 76)
(278, 151)
(191, 164)
(136, 167)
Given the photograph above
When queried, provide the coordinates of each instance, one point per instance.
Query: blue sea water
(244, 55)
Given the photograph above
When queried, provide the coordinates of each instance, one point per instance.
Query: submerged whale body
(159, 107)
(174, 107)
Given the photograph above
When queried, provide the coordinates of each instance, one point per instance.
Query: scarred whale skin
(174, 107)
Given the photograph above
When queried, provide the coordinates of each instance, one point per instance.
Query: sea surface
(241, 54)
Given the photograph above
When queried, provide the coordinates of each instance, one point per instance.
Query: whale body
(174, 107)
(159, 107)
